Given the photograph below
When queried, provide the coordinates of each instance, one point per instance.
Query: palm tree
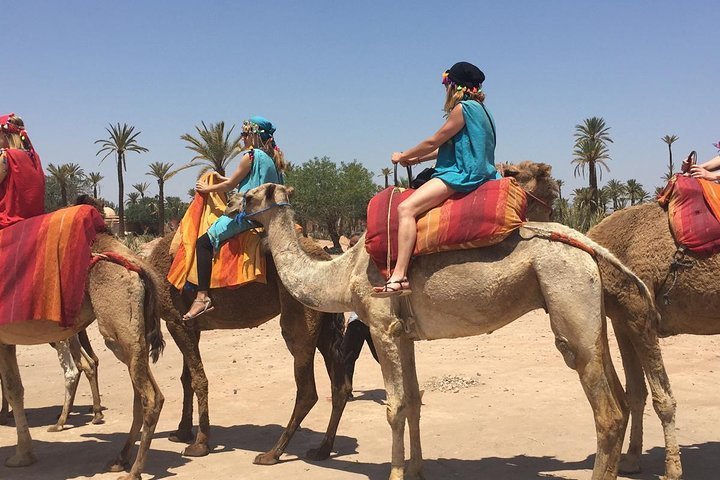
(616, 190)
(560, 184)
(636, 192)
(191, 193)
(591, 152)
(95, 179)
(141, 188)
(132, 198)
(214, 148)
(385, 172)
(162, 172)
(122, 140)
(669, 139)
(64, 174)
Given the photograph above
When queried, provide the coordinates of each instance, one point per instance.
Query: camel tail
(153, 332)
(565, 234)
(86, 346)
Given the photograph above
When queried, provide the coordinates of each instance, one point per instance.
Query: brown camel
(124, 304)
(456, 294)
(688, 294)
(246, 307)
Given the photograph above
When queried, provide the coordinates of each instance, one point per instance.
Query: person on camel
(709, 170)
(22, 180)
(261, 162)
(465, 151)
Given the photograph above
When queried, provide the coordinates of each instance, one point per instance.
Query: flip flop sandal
(390, 291)
(207, 308)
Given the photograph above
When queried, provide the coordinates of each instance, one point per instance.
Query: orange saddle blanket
(694, 213)
(239, 260)
(44, 262)
(480, 218)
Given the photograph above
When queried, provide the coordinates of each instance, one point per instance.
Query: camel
(250, 306)
(688, 302)
(456, 294)
(124, 304)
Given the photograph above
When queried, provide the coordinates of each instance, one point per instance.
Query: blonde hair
(456, 94)
(13, 140)
(268, 146)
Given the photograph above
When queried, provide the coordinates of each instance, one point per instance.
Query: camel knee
(396, 415)
(568, 353)
(665, 408)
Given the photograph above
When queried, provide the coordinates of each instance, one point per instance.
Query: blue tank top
(467, 160)
(262, 170)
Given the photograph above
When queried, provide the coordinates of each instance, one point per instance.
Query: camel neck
(319, 284)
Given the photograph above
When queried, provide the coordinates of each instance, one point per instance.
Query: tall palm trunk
(121, 196)
(161, 207)
(95, 191)
(63, 194)
(595, 206)
(670, 166)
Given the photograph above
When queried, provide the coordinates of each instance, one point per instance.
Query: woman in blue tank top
(465, 151)
(261, 162)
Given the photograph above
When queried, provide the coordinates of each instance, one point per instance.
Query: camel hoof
(196, 450)
(397, 473)
(182, 436)
(629, 465)
(98, 419)
(20, 460)
(55, 428)
(267, 458)
(318, 454)
(118, 465)
(130, 477)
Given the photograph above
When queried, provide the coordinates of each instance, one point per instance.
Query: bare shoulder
(3, 165)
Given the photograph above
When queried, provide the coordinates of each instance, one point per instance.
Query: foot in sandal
(392, 288)
(197, 308)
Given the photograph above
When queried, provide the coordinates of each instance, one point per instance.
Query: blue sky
(359, 80)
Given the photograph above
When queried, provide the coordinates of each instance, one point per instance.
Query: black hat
(466, 74)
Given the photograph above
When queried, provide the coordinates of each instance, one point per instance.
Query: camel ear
(270, 191)
(543, 170)
(510, 171)
(290, 192)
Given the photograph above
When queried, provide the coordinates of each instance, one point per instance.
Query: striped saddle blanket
(44, 261)
(480, 218)
(694, 213)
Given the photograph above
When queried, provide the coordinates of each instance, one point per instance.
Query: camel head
(537, 180)
(254, 203)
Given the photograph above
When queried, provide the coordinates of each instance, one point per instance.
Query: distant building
(111, 220)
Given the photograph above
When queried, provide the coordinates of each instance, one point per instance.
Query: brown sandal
(388, 290)
(206, 308)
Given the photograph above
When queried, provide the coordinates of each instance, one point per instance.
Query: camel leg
(329, 346)
(14, 391)
(647, 347)
(636, 395)
(89, 363)
(4, 409)
(194, 381)
(391, 350)
(72, 378)
(301, 341)
(578, 321)
(412, 391)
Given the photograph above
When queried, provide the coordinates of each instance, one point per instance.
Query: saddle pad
(690, 203)
(44, 261)
(480, 218)
(239, 260)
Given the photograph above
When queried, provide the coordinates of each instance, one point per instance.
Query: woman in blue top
(465, 151)
(262, 162)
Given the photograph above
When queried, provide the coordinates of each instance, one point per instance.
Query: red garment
(22, 193)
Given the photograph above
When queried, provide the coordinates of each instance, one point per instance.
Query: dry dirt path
(511, 409)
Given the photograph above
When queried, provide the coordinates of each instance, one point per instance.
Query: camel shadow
(62, 460)
(261, 438)
(39, 417)
(377, 395)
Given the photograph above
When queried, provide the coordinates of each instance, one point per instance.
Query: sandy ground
(519, 412)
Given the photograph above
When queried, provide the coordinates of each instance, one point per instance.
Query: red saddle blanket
(480, 218)
(694, 213)
(44, 262)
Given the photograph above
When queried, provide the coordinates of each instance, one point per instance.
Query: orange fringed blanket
(44, 261)
(694, 213)
(483, 217)
(239, 260)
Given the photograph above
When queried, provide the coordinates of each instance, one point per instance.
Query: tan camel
(250, 306)
(688, 303)
(124, 304)
(456, 294)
